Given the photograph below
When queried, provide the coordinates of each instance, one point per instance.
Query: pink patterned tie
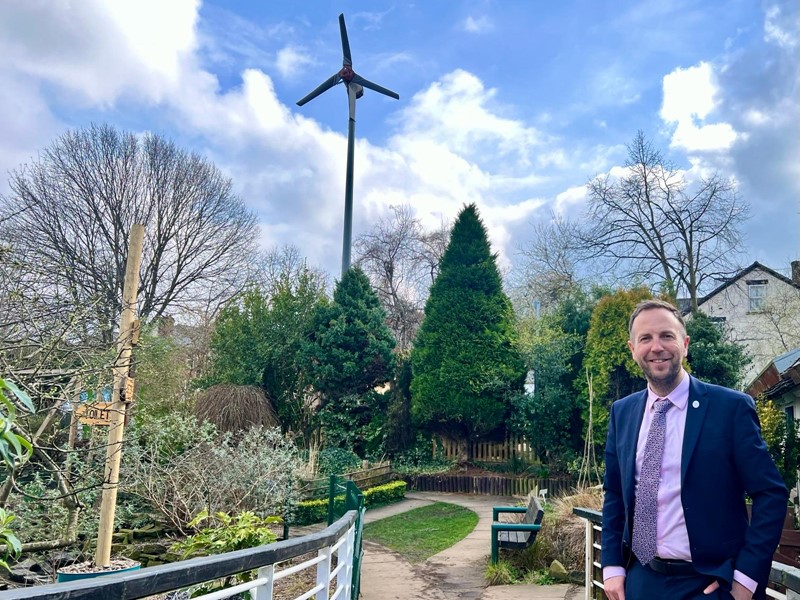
(645, 515)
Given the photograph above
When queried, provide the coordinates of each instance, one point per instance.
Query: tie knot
(662, 405)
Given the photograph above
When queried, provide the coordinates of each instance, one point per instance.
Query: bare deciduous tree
(401, 260)
(549, 266)
(654, 225)
(79, 198)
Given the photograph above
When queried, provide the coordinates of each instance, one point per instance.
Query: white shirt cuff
(609, 572)
(750, 584)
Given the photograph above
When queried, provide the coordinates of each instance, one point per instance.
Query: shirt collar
(679, 396)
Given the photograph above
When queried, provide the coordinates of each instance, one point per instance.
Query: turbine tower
(355, 85)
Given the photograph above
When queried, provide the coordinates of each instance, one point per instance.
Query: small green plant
(226, 533)
(542, 577)
(500, 573)
(7, 537)
(14, 449)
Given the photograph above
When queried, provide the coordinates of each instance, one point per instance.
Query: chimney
(796, 271)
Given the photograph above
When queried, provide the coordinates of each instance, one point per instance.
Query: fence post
(264, 591)
(324, 573)
(331, 498)
(589, 559)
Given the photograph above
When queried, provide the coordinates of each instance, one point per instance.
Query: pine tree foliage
(465, 361)
(711, 357)
(350, 347)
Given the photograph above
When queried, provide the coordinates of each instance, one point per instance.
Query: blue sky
(513, 105)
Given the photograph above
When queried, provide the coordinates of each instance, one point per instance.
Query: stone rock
(152, 548)
(29, 564)
(62, 558)
(27, 577)
(558, 572)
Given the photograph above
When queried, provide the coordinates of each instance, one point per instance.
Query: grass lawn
(422, 532)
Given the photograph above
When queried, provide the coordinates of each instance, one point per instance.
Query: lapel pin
(695, 404)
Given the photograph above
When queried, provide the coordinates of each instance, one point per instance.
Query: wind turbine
(355, 85)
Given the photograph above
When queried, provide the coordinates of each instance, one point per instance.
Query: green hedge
(314, 511)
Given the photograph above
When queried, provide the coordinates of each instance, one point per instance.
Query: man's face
(659, 344)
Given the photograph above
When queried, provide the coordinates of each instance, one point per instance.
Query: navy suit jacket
(723, 458)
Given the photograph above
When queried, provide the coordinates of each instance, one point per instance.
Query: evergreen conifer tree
(465, 360)
(350, 353)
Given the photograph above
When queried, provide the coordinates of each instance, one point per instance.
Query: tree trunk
(463, 451)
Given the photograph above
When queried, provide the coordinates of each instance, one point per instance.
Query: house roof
(786, 360)
(780, 375)
(744, 272)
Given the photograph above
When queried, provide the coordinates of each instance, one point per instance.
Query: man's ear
(630, 347)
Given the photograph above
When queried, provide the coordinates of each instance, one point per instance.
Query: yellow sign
(97, 413)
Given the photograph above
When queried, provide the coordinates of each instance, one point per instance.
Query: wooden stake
(118, 404)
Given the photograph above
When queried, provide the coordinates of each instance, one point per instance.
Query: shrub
(336, 461)
(314, 511)
(500, 573)
(225, 534)
(256, 473)
(418, 459)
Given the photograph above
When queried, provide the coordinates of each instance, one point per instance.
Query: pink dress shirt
(672, 539)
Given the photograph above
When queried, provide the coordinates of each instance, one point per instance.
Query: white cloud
(290, 60)
(690, 95)
(570, 197)
(456, 111)
(775, 31)
(480, 24)
(99, 50)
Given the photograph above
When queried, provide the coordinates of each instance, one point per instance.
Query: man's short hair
(650, 305)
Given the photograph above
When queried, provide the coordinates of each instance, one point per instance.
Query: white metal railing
(262, 587)
(338, 540)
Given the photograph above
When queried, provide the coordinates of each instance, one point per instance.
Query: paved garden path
(453, 574)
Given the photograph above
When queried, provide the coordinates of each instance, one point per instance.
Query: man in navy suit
(680, 458)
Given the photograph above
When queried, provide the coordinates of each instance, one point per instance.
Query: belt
(670, 566)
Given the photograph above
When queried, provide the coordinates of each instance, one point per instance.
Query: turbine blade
(323, 87)
(346, 59)
(374, 86)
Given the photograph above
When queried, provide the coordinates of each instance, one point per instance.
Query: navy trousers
(642, 583)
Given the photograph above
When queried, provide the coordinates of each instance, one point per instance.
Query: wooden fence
(490, 485)
(512, 448)
(363, 478)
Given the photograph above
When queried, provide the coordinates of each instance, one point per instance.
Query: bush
(418, 460)
(314, 511)
(256, 473)
(226, 533)
(337, 461)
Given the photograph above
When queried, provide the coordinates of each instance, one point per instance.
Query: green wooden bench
(516, 536)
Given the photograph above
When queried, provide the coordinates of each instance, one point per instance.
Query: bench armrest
(496, 510)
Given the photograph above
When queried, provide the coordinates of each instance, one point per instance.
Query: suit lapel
(631, 441)
(695, 415)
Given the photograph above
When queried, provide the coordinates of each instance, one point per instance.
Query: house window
(757, 293)
(719, 322)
